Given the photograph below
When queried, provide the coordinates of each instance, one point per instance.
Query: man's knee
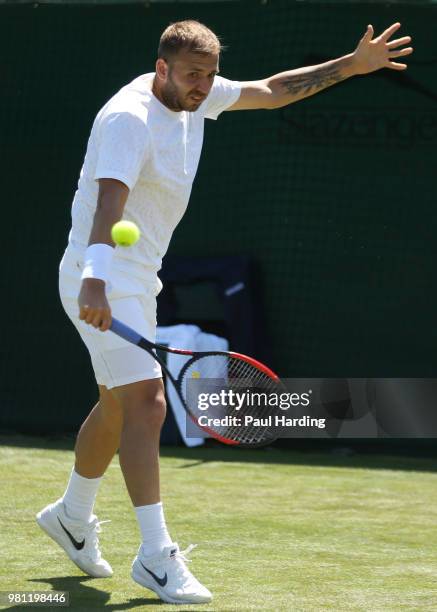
(143, 403)
(110, 408)
(152, 412)
(147, 413)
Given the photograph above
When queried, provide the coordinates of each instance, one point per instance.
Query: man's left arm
(288, 87)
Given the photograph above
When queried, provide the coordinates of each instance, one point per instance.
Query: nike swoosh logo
(161, 581)
(77, 545)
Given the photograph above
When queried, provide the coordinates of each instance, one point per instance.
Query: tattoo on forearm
(304, 83)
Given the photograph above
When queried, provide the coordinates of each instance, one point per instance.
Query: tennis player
(140, 164)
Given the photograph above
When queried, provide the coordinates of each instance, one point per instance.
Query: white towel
(188, 337)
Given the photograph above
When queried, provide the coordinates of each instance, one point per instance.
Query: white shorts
(133, 301)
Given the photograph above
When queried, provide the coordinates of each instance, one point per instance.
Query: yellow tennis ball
(125, 233)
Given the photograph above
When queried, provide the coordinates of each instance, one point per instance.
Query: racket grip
(124, 331)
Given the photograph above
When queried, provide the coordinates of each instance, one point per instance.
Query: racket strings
(252, 389)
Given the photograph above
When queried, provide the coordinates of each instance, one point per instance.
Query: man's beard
(173, 100)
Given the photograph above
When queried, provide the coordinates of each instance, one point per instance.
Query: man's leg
(159, 565)
(143, 405)
(96, 444)
(128, 417)
(70, 520)
(144, 409)
(99, 436)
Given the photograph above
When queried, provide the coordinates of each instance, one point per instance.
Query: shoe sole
(139, 579)
(64, 544)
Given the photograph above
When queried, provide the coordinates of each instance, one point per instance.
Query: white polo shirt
(155, 152)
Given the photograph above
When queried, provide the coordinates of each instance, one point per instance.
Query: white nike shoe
(167, 574)
(77, 538)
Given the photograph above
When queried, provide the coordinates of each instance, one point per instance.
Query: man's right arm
(93, 305)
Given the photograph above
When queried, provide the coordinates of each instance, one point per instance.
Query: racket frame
(122, 330)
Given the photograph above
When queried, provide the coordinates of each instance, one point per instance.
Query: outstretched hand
(371, 55)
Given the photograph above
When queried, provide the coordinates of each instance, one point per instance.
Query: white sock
(80, 495)
(153, 528)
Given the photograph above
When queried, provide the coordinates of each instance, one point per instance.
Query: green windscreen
(334, 197)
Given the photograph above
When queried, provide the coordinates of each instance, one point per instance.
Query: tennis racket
(251, 425)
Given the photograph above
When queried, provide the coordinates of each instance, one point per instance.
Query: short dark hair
(190, 35)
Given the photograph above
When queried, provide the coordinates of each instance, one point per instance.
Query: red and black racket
(238, 373)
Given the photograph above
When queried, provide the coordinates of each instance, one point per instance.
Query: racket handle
(124, 331)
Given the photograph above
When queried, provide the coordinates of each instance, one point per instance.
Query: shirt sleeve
(224, 93)
(122, 149)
